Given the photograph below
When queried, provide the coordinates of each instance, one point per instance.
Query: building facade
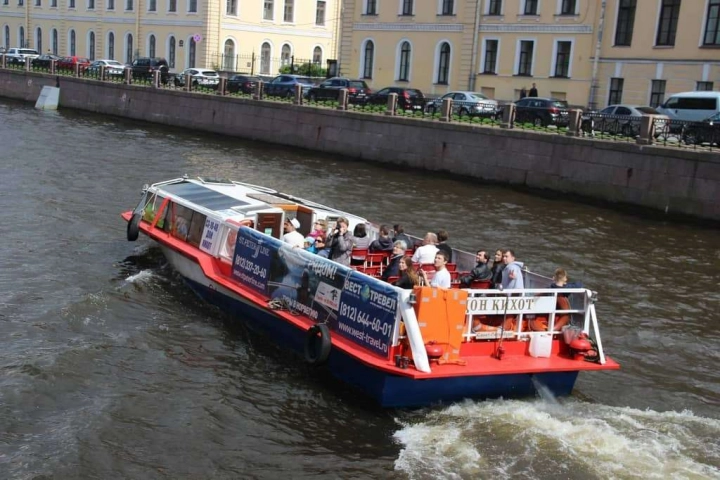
(588, 52)
(234, 35)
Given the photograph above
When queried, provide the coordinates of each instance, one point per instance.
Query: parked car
(284, 85)
(621, 120)
(143, 68)
(466, 103)
(113, 68)
(707, 131)
(242, 83)
(358, 90)
(44, 61)
(68, 63)
(200, 77)
(542, 111)
(408, 98)
(19, 55)
(691, 106)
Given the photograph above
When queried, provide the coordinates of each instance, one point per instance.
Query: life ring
(317, 344)
(133, 227)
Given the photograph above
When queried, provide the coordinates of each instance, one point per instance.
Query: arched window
(229, 55)
(91, 46)
(191, 53)
(404, 72)
(444, 64)
(128, 48)
(151, 46)
(72, 42)
(368, 58)
(54, 42)
(111, 46)
(171, 52)
(285, 55)
(21, 36)
(317, 55)
(7, 37)
(38, 40)
(265, 58)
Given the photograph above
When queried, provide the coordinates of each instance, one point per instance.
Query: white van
(691, 106)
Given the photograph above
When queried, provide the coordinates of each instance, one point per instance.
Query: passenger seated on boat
(384, 243)
(409, 278)
(340, 242)
(361, 241)
(442, 236)
(309, 244)
(319, 228)
(497, 268)
(442, 277)
(512, 277)
(481, 272)
(426, 253)
(182, 227)
(399, 235)
(541, 323)
(560, 280)
(292, 236)
(393, 268)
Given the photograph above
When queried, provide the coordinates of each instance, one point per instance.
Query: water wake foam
(539, 439)
(143, 276)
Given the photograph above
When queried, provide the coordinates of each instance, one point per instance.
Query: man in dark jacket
(384, 243)
(481, 272)
(400, 235)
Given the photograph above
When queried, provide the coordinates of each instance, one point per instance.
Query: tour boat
(402, 348)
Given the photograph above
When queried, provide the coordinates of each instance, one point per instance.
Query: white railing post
(596, 329)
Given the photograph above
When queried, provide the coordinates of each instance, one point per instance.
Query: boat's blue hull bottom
(387, 389)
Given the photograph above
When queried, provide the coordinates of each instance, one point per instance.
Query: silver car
(622, 120)
(200, 77)
(466, 103)
(113, 68)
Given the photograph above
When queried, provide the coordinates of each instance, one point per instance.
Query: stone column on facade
(188, 82)
(156, 79)
(574, 123)
(647, 130)
(222, 86)
(298, 94)
(508, 115)
(128, 76)
(446, 110)
(391, 104)
(342, 99)
(258, 91)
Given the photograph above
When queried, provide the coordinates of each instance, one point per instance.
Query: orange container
(441, 316)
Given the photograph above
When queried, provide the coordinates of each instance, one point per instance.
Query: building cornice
(409, 27)
(529, 28)
(276, 31)
(107, 19)
(655, 61)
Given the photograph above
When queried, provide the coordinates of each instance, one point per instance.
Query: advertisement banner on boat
(359, 308)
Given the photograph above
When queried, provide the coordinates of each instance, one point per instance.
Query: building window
(111, 46)
(404, 73)
(289, 16)
(172, 6)
(285, 54)
(54, 42)
(265, 58)
(491, 51)
(368, 58)
(625, 22)
(53, 3)
(171, 52)
(231, 7)
(192, 6)
(38, 3)
(712, 27)
(91, 46)
(111, 4)
(229, 59)
(531, 7)
(568, 7)
(39, 45)
(269, 10)
(657, 93)
(616, 91)
(407, 7)
(72, 43)
(152, 5)
(20, 4)
(669, 13)
(526, 57)
(192, 52)
(129, 48)
(317, 56)
(71, 3)
(448, 6)
(444, 64)
(129, 5)
(562, 59)
(704, 86)
(91, 5)
(371, 8)
(151, 46)
(320, 13)
(7, 37)
(495, 7)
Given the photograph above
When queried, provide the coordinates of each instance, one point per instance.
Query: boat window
(181, 223)
(197, 225)
(228, 244)
(152, 206)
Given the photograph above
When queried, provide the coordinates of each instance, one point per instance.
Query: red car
(68, 63)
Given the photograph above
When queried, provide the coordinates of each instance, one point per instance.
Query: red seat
(428, 267)
(481, 284)
(454, 276)
(451, 267)
(393, 279)
(359, 254)
(372, 271)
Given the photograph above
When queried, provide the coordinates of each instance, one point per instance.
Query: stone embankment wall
(678, 182)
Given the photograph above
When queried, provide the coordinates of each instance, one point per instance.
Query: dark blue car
(284, 85)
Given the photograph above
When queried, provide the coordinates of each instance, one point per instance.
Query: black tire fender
(317, 344)
(133, 227)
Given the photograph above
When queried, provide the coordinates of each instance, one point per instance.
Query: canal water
(111, 368)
